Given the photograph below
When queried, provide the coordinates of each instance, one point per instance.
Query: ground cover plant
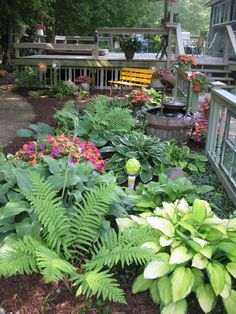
(87, 251)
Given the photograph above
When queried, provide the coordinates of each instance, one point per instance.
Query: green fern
(120, 120)
(50, 213)
(99, 283)
(116, 248)
(87, 219)
(98, 107)
(51, 265)
(19, 257)
(65, 117)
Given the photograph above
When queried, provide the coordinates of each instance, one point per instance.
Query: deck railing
(221, 139)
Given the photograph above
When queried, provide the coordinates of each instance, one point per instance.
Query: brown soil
(29, 294)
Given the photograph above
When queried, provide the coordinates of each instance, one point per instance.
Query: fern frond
(113, 249)
(98, 107)
(120, 120)
(87, 219)
(50, 213)
(99, 283)
(51, 266)
(19, 257)
(65, 117)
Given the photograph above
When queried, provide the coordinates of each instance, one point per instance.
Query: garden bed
(30, 294)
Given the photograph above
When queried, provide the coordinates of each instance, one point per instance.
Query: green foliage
(127, 42)
(36, 130)
(65, 117)
(148, 150)
(183, 157)
(154, 95)
(149, 196)
(195, 252)
(28, 77)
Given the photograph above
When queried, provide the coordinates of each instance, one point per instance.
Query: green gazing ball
(132, 166)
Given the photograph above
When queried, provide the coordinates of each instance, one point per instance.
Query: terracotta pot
(197, 87)
(129, 54)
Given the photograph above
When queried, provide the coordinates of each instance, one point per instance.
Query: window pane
(232, 130)
(227, 158)
(234, 170)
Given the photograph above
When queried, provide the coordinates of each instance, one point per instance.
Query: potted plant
(39, 29)
(84, 82)
(183, 62)
(129, 46)
(138, 99)
(199, 81)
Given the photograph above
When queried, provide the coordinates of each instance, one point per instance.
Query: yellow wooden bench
(133, 77)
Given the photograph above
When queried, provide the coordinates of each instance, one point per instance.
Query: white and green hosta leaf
(158, 267)
(230, 303)
(199, 261)
(165, 241)
(206, 251)
(200, 241)
(163, 225)
(154, 246)
(182, 282)
(206, 297)
(216, 274)
(124, 223)
(180, 255)
(169, 211)
(182, 207)
(199, 210)
(231, 267)
(179, 307)
(231, 225)
(227, 287)
(164, 290)
(198, 278)
(154, 291)
(141, 284)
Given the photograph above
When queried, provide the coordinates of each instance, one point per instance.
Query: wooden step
(220, 78)
(212, 71)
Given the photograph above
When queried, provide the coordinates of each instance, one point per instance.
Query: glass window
(221, 12)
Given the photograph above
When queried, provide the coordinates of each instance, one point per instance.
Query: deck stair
(217, 73)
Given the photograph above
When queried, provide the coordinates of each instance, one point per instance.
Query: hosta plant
(195, 253)
(148, 150)
(147, 197)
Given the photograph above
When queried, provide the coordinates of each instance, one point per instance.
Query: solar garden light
(132, 168)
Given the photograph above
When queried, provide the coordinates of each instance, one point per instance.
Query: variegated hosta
(195, 252)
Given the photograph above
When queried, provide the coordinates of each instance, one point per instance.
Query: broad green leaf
(152, 246)
(231, 267)
(192, 167)
(231, 224)
(164, 225)
(188, 227)
(164, 290)
(204, 189)
(154, 292)
(141, 284)
(228, 247)
(206, 297)
(13, 209)
(146, 204)
(227, 287)
(54, 166)
(23, 178)
(199, 210)
(182, 206)
(146, 176)
(182, 282)
(158, 267)
(170, 210)
(180, 255)
(199, 261)
(216, 274)
(206, 251)
(162, 178)
(198, 278)
(230, 303)
(179, 307)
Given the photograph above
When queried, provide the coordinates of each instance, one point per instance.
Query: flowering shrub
(3, 73)
(184, 59)
(61, 146)
(199, 77)
(83, 80)
(201, 123)
(139, 97)
(40, 26)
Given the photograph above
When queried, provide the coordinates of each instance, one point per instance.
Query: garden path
(15, 113)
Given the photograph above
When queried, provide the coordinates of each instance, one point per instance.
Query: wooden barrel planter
(168, 128)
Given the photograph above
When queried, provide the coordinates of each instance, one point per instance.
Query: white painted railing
(221, 139)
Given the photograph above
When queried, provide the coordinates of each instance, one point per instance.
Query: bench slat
(133, 77)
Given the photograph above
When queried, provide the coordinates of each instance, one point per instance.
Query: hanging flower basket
(198, 87)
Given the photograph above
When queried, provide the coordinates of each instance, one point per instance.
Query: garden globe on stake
(132, 168)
